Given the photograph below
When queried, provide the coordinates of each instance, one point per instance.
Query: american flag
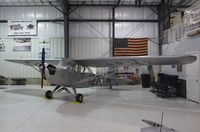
(130, 47)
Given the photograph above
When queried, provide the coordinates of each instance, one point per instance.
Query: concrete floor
(24, 109)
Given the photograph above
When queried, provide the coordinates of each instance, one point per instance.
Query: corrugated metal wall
(86, 39)
(9, 69)
(182, 47)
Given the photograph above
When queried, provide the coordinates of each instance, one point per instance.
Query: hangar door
(193, 79)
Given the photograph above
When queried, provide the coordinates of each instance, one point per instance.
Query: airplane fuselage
(64, 76)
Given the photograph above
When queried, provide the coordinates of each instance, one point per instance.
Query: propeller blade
(42, 82)
(43, 66)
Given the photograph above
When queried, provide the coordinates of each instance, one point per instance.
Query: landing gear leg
(78, 96)
(49, 93)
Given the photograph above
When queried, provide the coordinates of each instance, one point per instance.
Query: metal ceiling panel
(27, 2)
(87, 2)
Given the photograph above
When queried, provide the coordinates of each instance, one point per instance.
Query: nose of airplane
(51, 69)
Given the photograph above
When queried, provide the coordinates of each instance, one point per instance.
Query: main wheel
(79, 98)
(49, 94)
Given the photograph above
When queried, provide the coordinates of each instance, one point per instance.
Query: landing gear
(78, 96)
(49, 94)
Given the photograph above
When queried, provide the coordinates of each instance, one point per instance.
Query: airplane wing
(139, 60)
(115, 61)
(33, 61)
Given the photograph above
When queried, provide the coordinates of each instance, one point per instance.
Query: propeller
(42, 67)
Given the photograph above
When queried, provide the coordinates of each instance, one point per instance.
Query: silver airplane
(75, 73)
(156, 127)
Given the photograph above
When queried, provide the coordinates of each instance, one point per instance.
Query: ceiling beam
(177, 5)
(111, 5)
(123, 5)
(97, 20)
(56, 7)
(93, 5)
(64, 5)
(93, 20)
(117, 3)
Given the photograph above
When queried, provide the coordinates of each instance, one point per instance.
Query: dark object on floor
(3, 80)
(146, 83)
(181, 91)
(17, 81)
(166, 85)
(3, 88)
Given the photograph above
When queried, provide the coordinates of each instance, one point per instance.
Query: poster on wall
(2, 45)
(21, 44)
(22, 27)
(44, 43)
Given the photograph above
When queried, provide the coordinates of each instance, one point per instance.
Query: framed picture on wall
(22, 27)
(2, 45)
(179, 68)
(21, 44)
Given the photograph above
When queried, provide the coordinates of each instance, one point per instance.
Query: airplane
(30, 26)
(155, 127)
(16, 27)
(76, 73)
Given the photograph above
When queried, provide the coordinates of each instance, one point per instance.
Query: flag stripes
(130, 47)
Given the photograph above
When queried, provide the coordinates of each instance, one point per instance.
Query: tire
(79, 98)
(48, 94)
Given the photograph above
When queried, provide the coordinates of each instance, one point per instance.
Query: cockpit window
(52, 69)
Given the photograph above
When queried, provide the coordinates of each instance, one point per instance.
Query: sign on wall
(22, 27)
(2, 45)
(21, 44)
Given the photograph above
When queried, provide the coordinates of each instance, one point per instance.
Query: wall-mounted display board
(22, 27)
(21, 44)
(192, 20)
(2, 45)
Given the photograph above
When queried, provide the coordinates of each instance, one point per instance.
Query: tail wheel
(49, 94)
(79, 98)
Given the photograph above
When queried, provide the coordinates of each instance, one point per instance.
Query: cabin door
(193, 79)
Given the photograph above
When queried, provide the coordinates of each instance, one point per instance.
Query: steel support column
(65, 7)
(66, 34)
(113, 29)
(160, 25)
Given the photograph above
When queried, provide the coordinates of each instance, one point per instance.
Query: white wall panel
(86, 47)
(3, 30)
(153, 47)
(134, 13)
(29, 13)
(136, 30)
(85, 40)
(92, 12)
(180, 48)
(89, 30)
(57, 47)
(9, 69)
(122, 29)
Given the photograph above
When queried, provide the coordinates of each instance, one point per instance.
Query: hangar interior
(82, 29)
